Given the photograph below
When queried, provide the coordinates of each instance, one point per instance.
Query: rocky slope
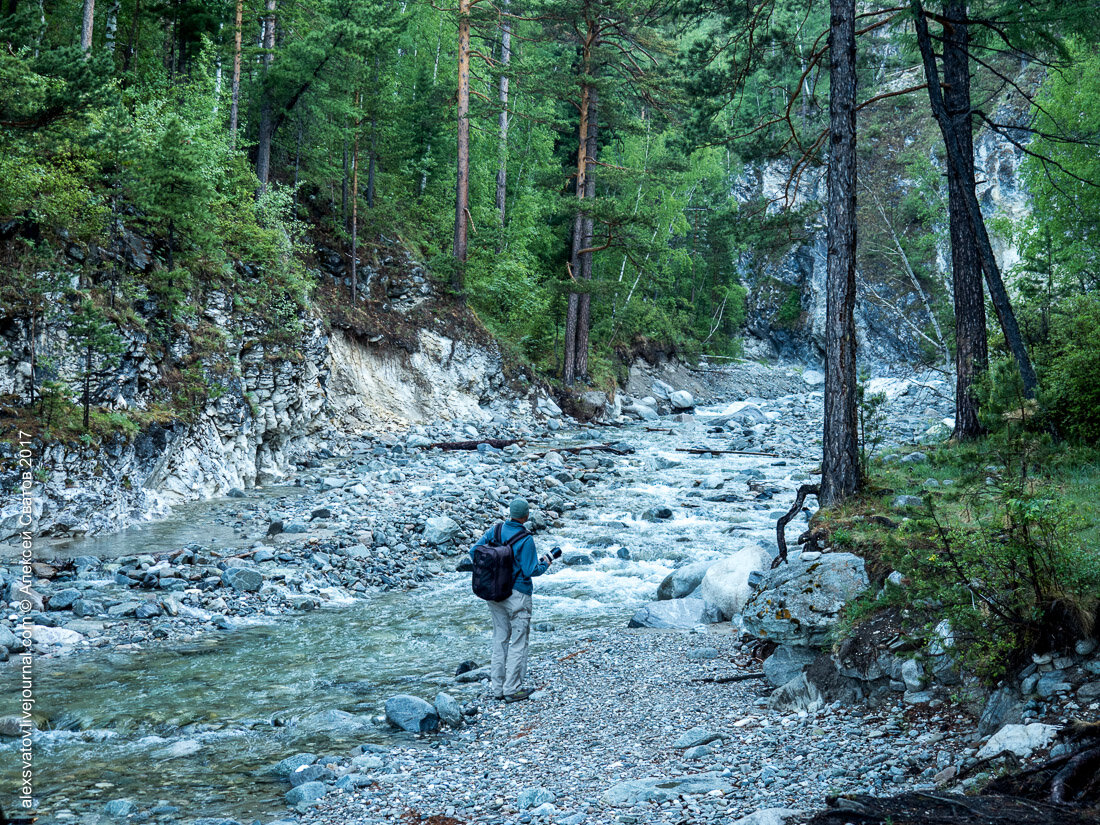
(272, 405)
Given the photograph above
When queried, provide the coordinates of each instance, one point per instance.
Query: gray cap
(519, 508)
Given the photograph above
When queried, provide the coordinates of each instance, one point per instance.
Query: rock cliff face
(786, 301)
(443, 378)
(273, 407)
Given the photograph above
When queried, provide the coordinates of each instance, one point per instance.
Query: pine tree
(95, 339)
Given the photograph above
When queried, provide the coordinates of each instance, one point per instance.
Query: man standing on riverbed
(512, 616)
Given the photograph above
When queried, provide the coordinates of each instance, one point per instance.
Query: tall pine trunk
(971, 348)
(584, 309)
(87, 23)
(372, 160)
(355, 209)
(462, 178)
(840, 445)
(267, 107)
(572, 312)
(956, 160)
(235, 92)
(505, 60)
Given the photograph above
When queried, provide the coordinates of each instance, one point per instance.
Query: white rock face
(1021, 740)
(726, 583)
(443, 379)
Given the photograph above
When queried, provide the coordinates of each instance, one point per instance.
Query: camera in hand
(555, 553)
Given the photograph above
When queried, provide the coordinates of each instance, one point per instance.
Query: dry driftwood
(499, 443)
(600, 448)
(736, 677)
(706, 451)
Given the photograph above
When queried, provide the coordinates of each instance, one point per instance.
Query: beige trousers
(511, 628)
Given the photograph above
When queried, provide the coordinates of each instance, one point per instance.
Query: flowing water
(196, 724)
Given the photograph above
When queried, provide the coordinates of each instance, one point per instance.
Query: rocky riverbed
(286, 631)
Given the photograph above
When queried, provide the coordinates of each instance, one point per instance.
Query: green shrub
(1016, 578)
(790, 311)
(1071, 380)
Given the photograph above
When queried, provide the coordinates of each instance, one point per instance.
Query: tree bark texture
(267, 106)
(87, 23)
(584, 312)
(955, 159)
(110, 28)
(840, 447)
(572, 314)
(462, 177)
(235, 91)
(505, 60)
(971, 348)
(355, 209)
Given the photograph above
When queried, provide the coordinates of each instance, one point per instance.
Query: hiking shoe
(518, 696)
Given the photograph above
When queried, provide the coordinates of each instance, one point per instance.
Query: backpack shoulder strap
(496, 534)
(517, 538)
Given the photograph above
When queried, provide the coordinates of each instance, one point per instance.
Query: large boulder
(547, 408)
(440, 530)
(683, 580)
(448, 709)
(680, 614)
(681, 400)
(726, 583)
(786, 663)
(640, 411)
(411, 713)
(661, 391)
(799, 602)
(1021, 740)
(591, 404)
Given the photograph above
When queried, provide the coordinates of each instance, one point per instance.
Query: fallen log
(704, 451)
(600, 448)
(498, 443)
(725, 680)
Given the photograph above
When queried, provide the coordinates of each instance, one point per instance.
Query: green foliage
(1020, 580)
(1061, 238)
(872, 424)
(790, 309)
(1071, 376)
(1008, 559)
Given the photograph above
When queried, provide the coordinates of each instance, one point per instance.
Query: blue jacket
(526, 562)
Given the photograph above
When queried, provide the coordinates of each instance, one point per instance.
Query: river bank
(205, 701)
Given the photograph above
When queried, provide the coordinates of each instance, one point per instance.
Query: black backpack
(493, 571)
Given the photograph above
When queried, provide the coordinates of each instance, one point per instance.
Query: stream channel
(196, 725)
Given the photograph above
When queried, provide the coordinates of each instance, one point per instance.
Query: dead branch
(781, 525)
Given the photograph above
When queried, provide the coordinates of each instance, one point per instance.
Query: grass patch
(1003, 546)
